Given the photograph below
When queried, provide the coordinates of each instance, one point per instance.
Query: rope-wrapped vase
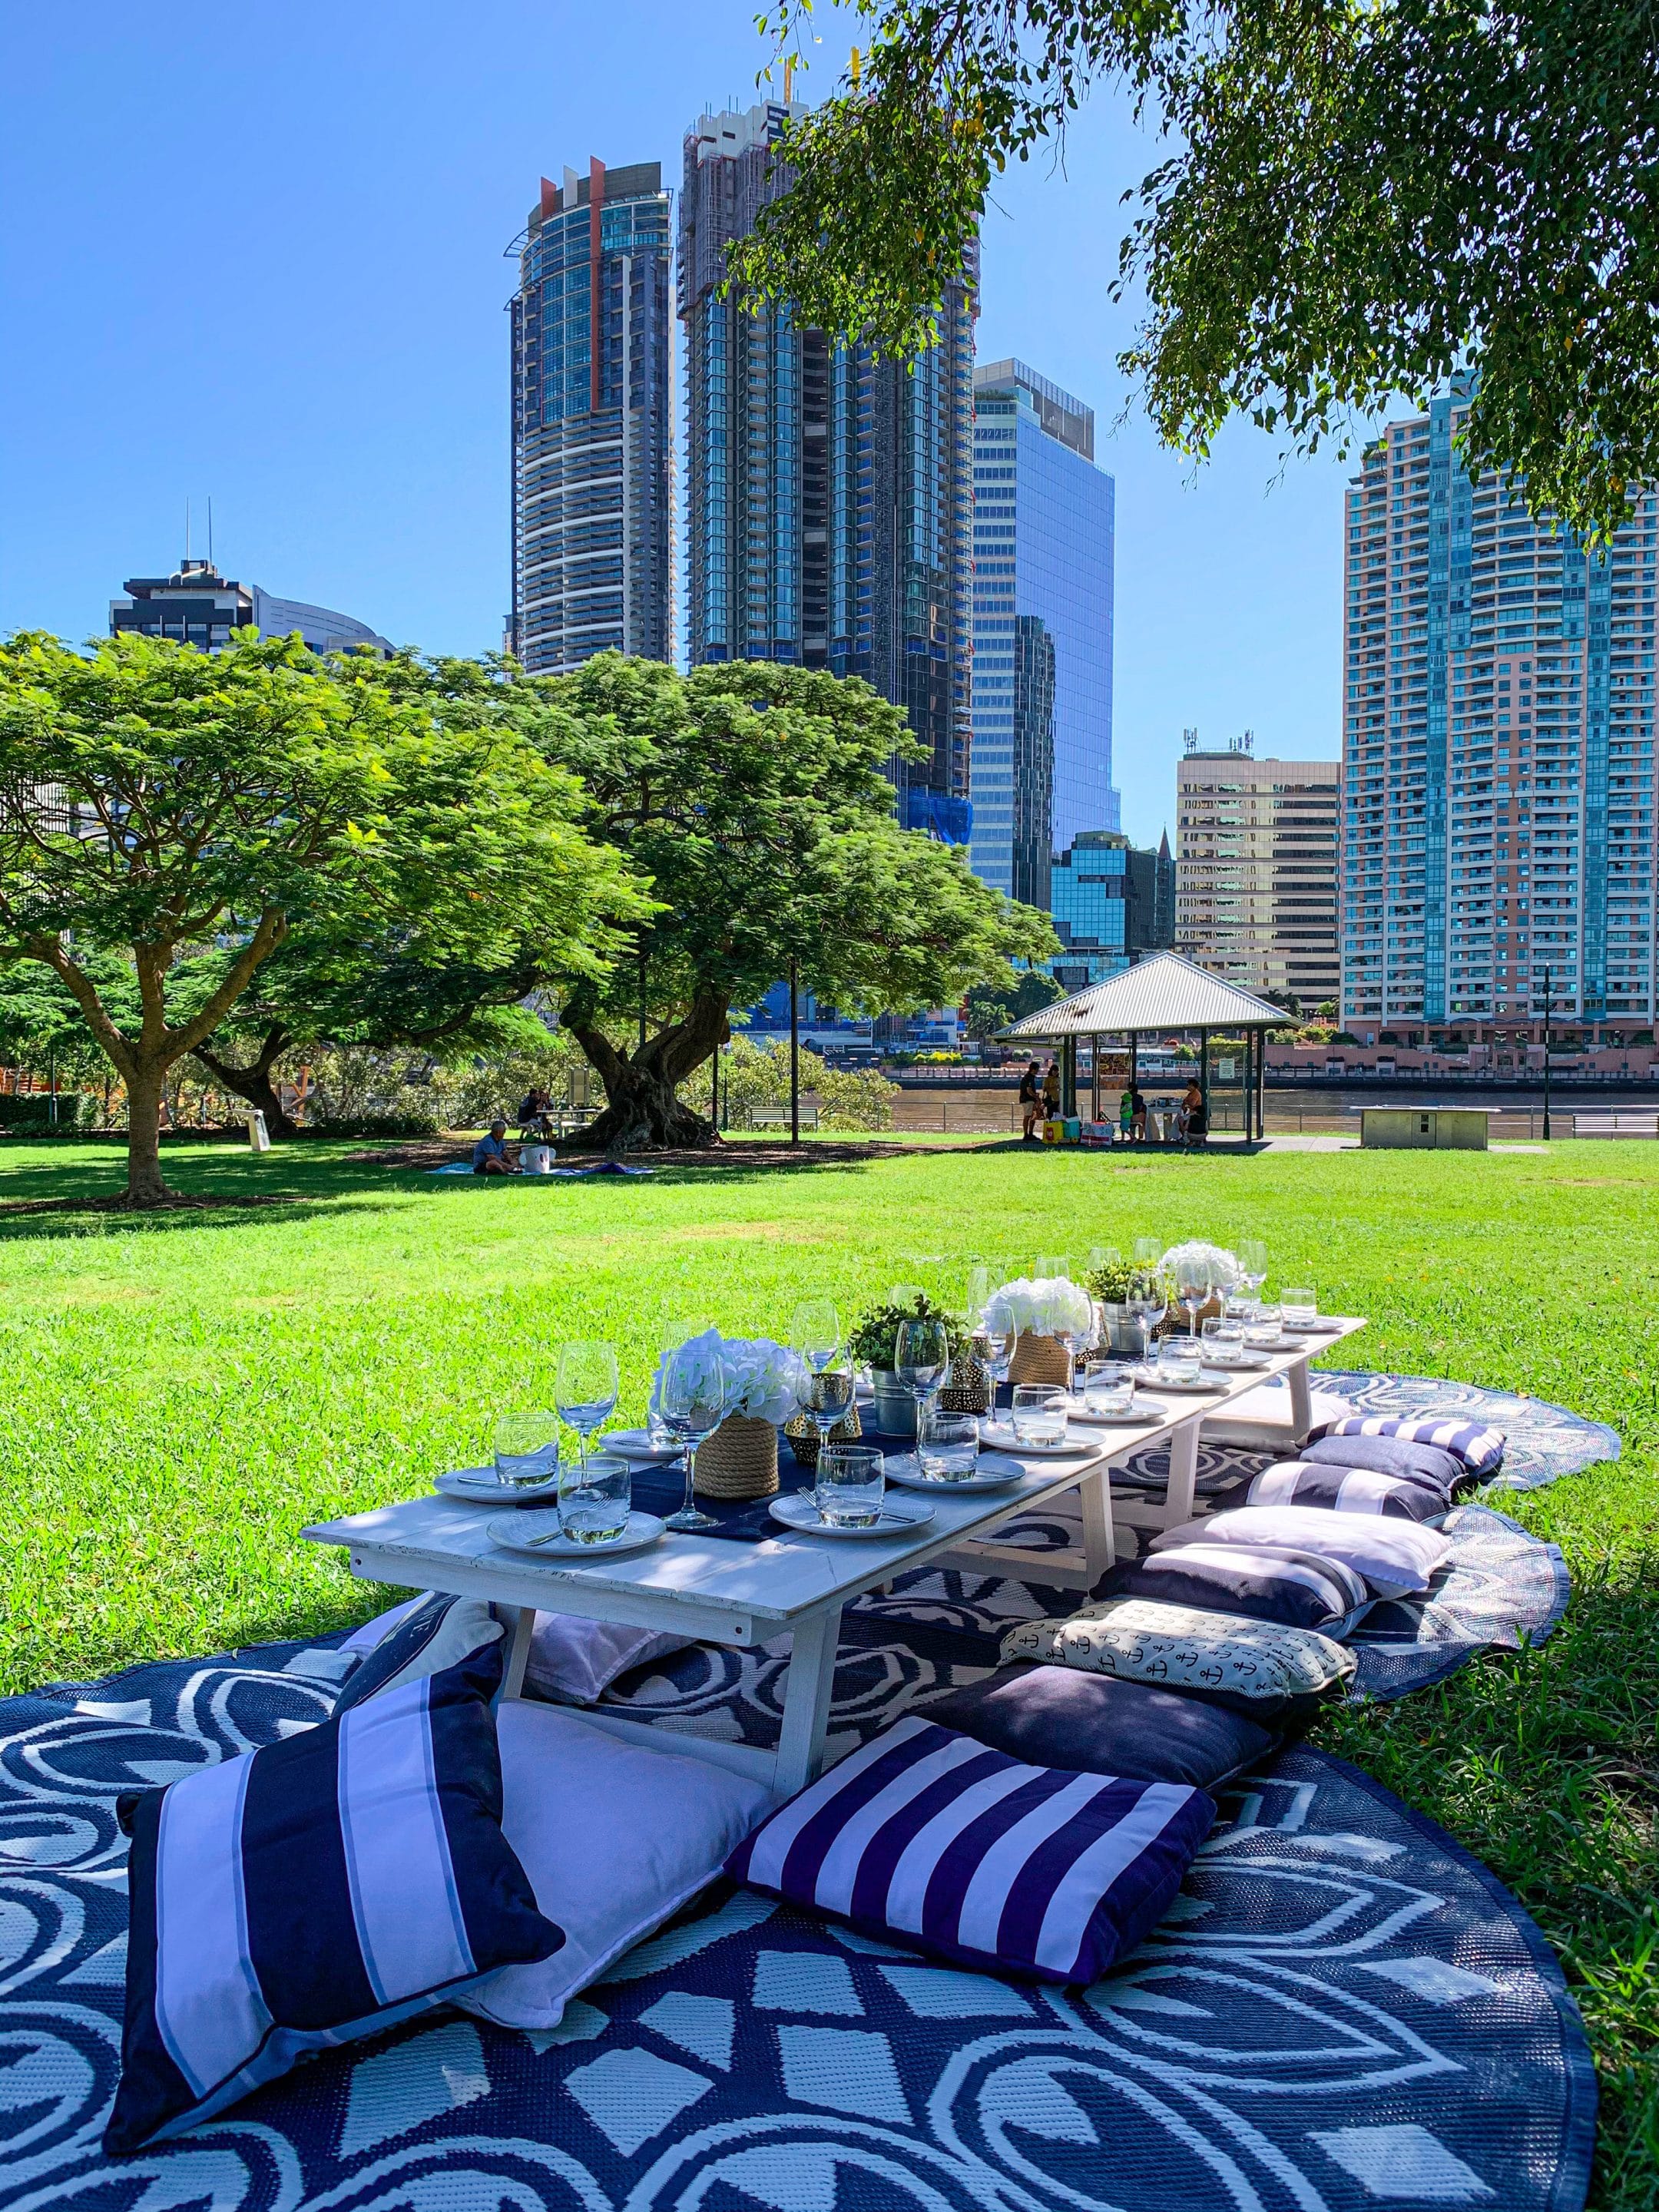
(969, 1390)
(1040, 1358)
(739, 1459)
(804, 1436)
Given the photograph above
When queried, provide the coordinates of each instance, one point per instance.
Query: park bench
(777, 1117)
(1617, 1123)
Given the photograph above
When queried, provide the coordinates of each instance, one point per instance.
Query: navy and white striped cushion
(312, 1892)
(1393, 1557)
(1298, 1589)
(928, 1839)
(428, 1637)
(1345, 1490)
(1480, 1448)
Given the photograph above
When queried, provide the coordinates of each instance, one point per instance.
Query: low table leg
(1301, 1403)
(1099, 1544)
(518, 1653)
(1184, 1474)
(806, 1700)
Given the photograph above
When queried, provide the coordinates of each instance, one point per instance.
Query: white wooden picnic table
(720, 1591)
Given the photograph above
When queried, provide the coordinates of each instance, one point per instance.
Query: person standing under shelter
(1126, 1114)
(1051, 1092)
(1030, 1101)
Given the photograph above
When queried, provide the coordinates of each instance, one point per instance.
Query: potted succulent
(873, 1341)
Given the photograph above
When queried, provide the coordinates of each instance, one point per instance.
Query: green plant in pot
(874, 1342)
(1114, 1285)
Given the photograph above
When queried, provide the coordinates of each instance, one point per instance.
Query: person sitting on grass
(489, 1153)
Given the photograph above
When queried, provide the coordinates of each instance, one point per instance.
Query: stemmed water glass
(982, 1284)
(1147, 1302)
(816, 1332)
(1192, 1278)
(586, 1390)
(921, 1357)
(1252, 1263)
(675, 1330)
(1048, 1265)
(693, 1394)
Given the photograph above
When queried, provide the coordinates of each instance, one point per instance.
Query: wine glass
(1191, 1279)
(586, 1390)
(1148, 1252)
(921, 1357)
(1147, 1302)
(695, 1387)
(982, 1282)
(1048, 1265)
(829, 1396)
(1077, 1340)
(1252, 1263)
(1103, 1255)
(815, 1332)
(675, 1329)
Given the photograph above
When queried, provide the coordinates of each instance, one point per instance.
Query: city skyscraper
(1256, 869)
(827, 492)
(1044, 537)
(1498, 749)
(592, 477)
(1111, 902)
(199, 606)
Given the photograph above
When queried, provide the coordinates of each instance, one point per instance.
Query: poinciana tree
(1357, 202)
(160, 802)
(753, 798)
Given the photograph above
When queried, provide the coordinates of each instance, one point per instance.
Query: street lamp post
(1546, 1056)
(794, 1054)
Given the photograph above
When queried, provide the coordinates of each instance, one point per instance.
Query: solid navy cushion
(313, 1891)
(1100, 1724)
(1426, 1463)
(1300, 1590)
(928, 1839)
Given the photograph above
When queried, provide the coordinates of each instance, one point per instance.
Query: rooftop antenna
(788, 78)
(209, 530)
(187, 529)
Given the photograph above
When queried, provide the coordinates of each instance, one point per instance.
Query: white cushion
(620, 1835)
(579, 1660)
(1394, 1556)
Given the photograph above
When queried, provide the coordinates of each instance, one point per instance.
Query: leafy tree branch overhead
(1358, 201)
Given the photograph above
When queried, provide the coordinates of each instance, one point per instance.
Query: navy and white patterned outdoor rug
(1342, 2010)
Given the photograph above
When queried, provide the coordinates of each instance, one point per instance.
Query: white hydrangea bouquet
(767, 1381)
(1226, 1272)
(1042, 1311)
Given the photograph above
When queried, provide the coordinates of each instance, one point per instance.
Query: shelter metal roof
(1164, 992)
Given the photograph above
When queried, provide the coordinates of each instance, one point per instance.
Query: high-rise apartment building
(592, 479)
(828, 492)
(1256, 869)
(1112, 902)
(1042, 630)
(1498, 777)
(198, 606)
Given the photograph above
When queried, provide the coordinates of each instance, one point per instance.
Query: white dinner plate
(1001, 1437)
(1146, 1410)
(1238, 1363)
(1199, 1389)
(993, 1473)
(537, 1536)
(636, 1443)
(479, 1487)
(900, 1516)
(1320, 1327)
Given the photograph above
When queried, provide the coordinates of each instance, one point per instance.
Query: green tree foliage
(754, 799)
(991, 1008)
(158, 803)
(753, 1073)
(1360, 201)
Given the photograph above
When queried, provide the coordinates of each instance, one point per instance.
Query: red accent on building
(550, 198)
(595, 230)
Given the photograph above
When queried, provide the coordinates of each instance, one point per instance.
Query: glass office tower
(828, 497)
(1498, 758)
(1042, 630)
(592, 472)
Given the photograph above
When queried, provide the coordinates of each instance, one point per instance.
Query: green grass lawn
(181, 1396)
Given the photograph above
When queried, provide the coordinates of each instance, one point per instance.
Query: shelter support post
(1261, 1085)
(1094, 1079)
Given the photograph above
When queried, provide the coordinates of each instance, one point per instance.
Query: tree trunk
(643, 1113)
(145, 1187)
(253, 1082)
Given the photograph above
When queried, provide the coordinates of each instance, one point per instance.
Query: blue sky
(260, 258)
